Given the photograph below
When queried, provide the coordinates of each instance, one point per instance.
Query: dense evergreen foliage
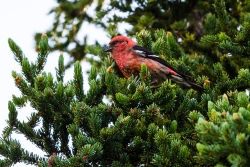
(138, 126)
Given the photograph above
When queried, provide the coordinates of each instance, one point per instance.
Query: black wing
(148, 54)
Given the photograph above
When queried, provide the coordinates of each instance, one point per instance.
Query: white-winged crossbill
(129, 57)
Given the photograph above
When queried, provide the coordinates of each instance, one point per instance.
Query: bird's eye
(114, 43)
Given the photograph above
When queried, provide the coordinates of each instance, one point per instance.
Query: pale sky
(19, 20)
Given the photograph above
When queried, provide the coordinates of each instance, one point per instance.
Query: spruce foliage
(139, 126)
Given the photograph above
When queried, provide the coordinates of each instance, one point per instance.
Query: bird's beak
(107, 48)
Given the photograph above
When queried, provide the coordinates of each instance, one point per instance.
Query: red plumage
(129, 57)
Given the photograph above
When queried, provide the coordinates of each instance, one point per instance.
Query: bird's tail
(195, 86)
(182, 80)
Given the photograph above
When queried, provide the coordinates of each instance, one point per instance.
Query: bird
(129, 57)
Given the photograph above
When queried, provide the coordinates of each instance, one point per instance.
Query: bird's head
(118, 44)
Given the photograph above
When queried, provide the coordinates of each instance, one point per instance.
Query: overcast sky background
(20, 20)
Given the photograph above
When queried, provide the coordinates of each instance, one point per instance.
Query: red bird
(129, 57)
